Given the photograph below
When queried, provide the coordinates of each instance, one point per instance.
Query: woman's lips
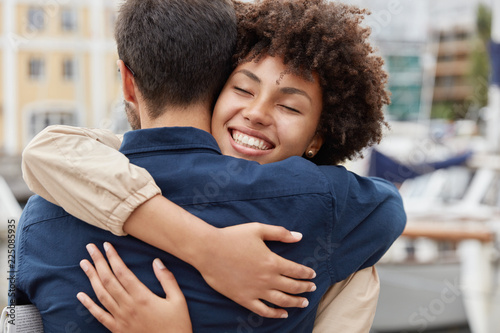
(250, 141)
(247, 144)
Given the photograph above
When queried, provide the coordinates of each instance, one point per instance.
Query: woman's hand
(238, 264)
(132, 306)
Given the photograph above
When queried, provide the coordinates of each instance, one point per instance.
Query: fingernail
(84, 266)
(305, 303)
(106, 246)
(296, 234)
(159, 264)
(284, 315)
(313, 288)
(90, 249)
(314, 275)
(80, 298)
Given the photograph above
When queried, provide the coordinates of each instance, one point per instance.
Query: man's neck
(197, 116)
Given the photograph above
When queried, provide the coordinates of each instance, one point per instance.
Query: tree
(480, 64)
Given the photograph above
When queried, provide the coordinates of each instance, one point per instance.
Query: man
(163, 101)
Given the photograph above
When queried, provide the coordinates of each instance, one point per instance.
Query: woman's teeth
(249, 141)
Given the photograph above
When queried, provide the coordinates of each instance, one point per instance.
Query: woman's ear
(314, 146)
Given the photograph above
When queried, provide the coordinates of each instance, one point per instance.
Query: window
(69, 69)
(446, 57)
(36, 68)
(36, 19)
(41, 119)
(68, 19)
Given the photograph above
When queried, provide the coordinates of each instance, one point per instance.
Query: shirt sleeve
(82, 171)
(368, 217)
(349, 305)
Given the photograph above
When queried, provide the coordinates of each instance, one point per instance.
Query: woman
(302, 87)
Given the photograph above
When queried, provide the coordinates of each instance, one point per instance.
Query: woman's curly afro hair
(323, 37)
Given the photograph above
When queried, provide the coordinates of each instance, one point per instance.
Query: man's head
(179, 51)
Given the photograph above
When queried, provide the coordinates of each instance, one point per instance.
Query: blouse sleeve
(349, 305)
(82, 171)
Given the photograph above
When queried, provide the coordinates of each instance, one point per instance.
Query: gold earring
(310, 154)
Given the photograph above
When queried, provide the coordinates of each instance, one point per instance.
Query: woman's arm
(82, 171)
(349, 305)
(72, 167)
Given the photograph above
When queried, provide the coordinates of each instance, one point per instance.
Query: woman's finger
(175, 298)
(107, 278)
(102, 316)
(100, 290)
(168, 281)
(266, 311)
(293, 286)
(294, 270)
(283, 300)
(125, 276)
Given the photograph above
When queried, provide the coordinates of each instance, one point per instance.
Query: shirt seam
(331, 269)
(261, 197)
(127, 151)
(19, 257)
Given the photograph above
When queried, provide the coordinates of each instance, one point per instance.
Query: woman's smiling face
(264, 117)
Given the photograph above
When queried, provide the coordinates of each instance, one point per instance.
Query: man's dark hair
(327, 38)
(178, 50)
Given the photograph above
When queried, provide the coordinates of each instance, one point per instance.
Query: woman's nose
(258, 114)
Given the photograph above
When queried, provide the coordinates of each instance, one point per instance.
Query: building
(58, 66)
(406, 79)
(427, 46)
(58, 61)
(453, 67)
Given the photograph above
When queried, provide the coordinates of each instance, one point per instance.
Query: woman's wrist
(167, 226)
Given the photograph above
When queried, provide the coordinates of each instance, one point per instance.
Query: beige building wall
(52, 19)
(85, 29)
(1, 79)
(1, 96)
(1, 16)
(53, 45)
(52, 85)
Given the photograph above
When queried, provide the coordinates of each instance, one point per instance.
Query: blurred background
(58, 66)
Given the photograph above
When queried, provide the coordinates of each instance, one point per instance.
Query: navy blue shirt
(348, 223)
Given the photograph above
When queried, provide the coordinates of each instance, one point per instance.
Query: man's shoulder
(38, 209)
(305, 174)
(292, 174)
(296, 166)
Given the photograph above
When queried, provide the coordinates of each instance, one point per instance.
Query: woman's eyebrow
(290, 91)
(251, 75)
(284, 90)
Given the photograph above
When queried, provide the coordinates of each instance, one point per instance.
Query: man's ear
(128, 83)
(314, 146)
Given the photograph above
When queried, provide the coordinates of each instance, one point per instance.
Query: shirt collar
(167, 138)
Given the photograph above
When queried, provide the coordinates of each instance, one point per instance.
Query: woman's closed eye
(242, 91)
(289, 108)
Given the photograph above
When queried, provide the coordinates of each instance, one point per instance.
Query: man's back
(327, 208)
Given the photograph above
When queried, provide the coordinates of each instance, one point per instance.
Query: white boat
(444, 270)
